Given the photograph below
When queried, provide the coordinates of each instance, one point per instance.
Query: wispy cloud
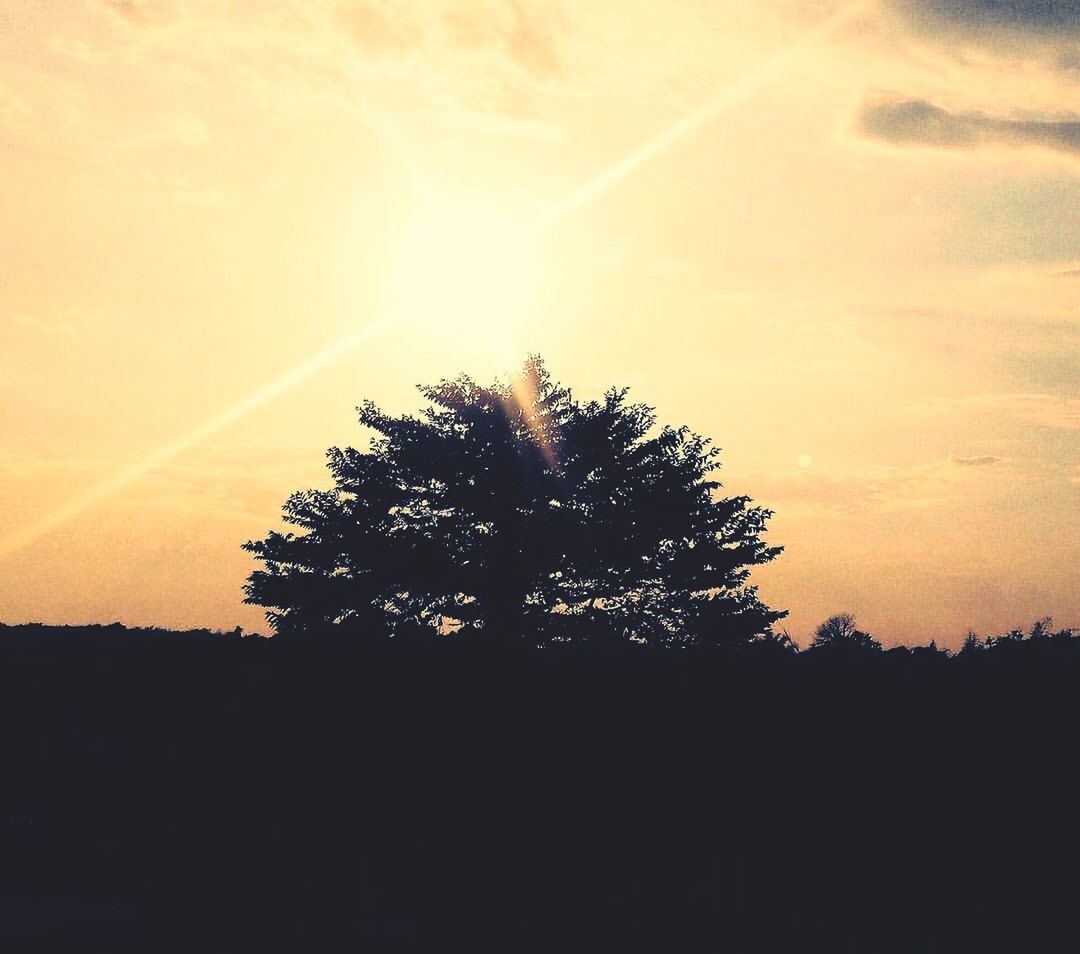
(142, 13)
(54, 329)
(380, 31)
(516, 30)
(169, 131)
(519, 31)
(1055, 412)
(882, 490)
(15, 111)
(187, 192)
(918, 122)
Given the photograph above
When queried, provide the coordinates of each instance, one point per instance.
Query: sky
(841, 239)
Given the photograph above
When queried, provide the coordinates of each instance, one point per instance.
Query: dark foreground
(225, 794)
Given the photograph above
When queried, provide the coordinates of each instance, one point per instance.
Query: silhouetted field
(205, 792)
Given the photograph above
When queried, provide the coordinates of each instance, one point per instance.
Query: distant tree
(1042, 628)
(515, 510)
(972, 644)
(839, 631)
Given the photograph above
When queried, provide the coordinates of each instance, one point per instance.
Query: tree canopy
(514, 510)
(840, 632)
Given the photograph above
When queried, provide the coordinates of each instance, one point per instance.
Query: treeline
(838, 636)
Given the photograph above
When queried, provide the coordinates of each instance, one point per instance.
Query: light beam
(230, 415)
(695, 120)
(288, 380)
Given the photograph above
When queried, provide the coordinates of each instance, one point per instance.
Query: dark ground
(215, 793)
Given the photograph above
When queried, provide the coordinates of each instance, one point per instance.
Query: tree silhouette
(839, 631)
(514, 510)
(972, 644)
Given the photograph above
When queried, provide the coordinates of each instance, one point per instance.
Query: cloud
(1055, 412)
(379, 32)
(56, 329)
(247, 480)
(938, 483)
(1050, 19)
(1043, 410)
(918, 122)
(516, 32)
(530, 44)
(142, 13)
(14, 109)
(169, 131)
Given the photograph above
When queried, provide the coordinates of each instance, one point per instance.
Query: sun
(466, 269)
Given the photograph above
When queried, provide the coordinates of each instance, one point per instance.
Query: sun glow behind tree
(468, 269)
(465, 248)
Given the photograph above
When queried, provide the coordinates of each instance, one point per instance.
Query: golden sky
(841, 239)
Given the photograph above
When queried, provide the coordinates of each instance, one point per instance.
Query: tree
(972, 644)
(839, 631)
(1042, 628)
(515, 510)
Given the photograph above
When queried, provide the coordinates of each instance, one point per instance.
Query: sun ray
(690, 123)
(288, 380)
(208, 428)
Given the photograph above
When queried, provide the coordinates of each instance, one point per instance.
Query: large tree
(516, 511)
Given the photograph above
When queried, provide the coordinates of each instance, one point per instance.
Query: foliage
(840, 632)
(515, 510)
